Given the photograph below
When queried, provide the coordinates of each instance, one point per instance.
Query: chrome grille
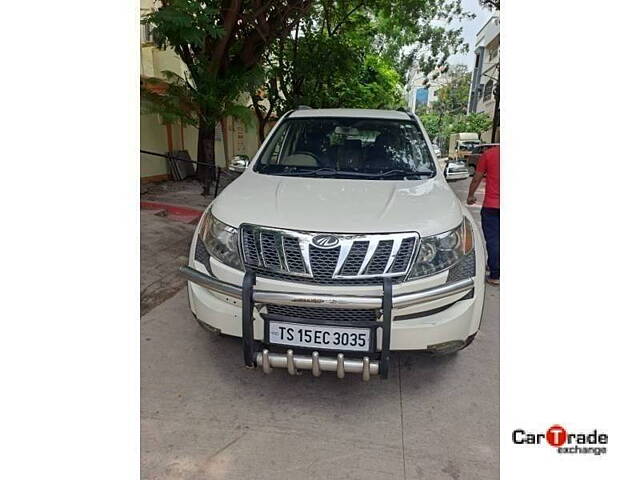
(403, 258)
(250, 249)
(293, 255)
(354, 261)
(351, 259)
(323, 262)
(380, 258)
(269, 251)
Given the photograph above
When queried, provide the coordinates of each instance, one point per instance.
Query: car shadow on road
(423, 370)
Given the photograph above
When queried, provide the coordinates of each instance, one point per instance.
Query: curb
(180, 213)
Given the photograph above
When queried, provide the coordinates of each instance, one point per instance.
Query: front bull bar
(253, 354)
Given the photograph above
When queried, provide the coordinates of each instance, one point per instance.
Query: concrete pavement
(164, 248)
(204, 416)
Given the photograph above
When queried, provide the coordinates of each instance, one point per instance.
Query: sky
(469, 30)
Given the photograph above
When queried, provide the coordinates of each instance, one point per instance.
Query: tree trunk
(206, 154)
(262, 124)
(262, 118)
(168, 127)
(225, 140)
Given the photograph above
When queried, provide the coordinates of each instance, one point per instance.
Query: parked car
(456, 171)
(339, 243)
(472, 159)
(437, 151)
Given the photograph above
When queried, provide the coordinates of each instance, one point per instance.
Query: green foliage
(478, 122)
(170, 97)
(440, 126)
(447, 114)
(323, 53)
(221, 43)
(418, 32)
(350, 53)
(490, 4)
(452, 96)
(433, 124)
(176, 102)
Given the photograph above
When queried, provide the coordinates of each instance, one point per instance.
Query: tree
(353, 53)
(453, 93)
(221, 43)
(490, 4)
(477, 123)
(446, 112)
(174, 101)
(440, 126)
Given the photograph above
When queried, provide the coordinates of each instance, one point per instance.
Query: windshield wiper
(304, 173)
(398, 173)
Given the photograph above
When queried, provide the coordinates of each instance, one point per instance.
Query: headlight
(220, 240)
(439, 252)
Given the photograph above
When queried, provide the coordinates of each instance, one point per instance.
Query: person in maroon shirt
(489, 166)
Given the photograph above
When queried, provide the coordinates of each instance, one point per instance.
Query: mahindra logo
(325, 241)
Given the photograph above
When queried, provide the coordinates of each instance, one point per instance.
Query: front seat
(350, 155)
(300, 160)
(378, 157)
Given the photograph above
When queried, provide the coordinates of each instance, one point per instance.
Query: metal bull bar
(374, 363)
(317, 364)
(324, 300)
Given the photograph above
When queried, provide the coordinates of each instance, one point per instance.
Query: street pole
(496, 110)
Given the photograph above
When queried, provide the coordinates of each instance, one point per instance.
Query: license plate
(326, 337)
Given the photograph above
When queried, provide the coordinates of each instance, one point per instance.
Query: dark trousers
(491, 229)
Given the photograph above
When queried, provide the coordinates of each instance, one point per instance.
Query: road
(205, 416)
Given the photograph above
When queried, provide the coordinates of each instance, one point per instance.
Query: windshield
(468, 145)
(347, 147)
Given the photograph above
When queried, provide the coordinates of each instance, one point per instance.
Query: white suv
(339, 243)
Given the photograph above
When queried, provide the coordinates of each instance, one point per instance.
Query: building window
(145, 33)
(488, 91)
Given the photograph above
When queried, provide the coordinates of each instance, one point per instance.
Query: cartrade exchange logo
(593, 442)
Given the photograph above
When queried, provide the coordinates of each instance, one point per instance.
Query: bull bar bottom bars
(378, 363)
(317, 364)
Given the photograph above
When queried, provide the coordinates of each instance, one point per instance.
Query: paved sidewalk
(186, 193)
(164, 248)
(205, 416)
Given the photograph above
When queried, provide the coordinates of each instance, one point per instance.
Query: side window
(272, 154)
(488, 91)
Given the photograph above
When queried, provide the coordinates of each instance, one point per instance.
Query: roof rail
(402, 109)
(303, 107)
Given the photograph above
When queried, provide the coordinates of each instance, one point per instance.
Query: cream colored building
(156, 137)
(485, 72)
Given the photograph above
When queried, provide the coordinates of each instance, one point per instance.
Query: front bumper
(458, 175)
(417, 320)
(429, 314)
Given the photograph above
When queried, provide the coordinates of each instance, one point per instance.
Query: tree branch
(276, 26)
(229, 22)
(345, 18)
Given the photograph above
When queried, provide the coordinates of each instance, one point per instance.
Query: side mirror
(239, 163)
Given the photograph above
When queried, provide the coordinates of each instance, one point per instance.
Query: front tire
(455, 350)
(213, 332)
